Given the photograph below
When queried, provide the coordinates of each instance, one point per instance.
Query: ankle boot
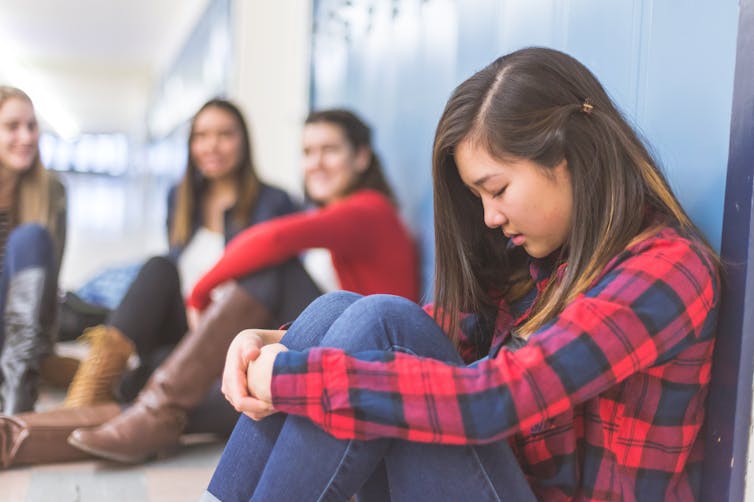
(28, 339)
(39, 438)
(109, 351)
(157, 419)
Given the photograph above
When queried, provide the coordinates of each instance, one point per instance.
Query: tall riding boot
(28, 339)
(157, 419)
(40, 438)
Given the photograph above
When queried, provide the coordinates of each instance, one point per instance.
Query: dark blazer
(271, 203)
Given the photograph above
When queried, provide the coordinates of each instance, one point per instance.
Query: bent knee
(160, 266)
(30, 234)
(387, 306)
(336, 299)
(30, 244)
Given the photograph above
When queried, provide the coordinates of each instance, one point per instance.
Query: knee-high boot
(158, 417)
(40, 438)
(28, 339)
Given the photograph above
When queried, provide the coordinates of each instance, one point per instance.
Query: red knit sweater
(372, 251)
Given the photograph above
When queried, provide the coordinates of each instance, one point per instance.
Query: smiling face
(216, 143)
(531, 204)
(19, 135)
(331, 164)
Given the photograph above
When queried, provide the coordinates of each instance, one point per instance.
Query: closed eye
(499, 193)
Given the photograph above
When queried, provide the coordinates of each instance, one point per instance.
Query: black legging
(152, 314)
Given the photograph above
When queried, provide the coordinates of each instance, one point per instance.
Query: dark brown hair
(193, 184)
(358, 135)
(542, 105)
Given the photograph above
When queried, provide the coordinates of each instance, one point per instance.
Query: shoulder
(272, 194)
(367, 200)
(56, 189)
(172, 194)
(666, 256)
(272, 202)
(670, 245)
(369, 196)
(56, 186)
(275, 197)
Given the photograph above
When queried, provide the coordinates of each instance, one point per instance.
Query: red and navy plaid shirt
(604, 402)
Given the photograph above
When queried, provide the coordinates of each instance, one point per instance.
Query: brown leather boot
(158, 417)
(39, 438)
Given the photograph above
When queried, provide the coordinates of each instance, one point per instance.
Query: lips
(517, 239)
(514, 239)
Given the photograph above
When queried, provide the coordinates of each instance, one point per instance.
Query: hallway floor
(112, 222)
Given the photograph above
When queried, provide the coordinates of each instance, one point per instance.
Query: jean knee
(386, 307)
(29, 236)
(30, 244)
(336, 300)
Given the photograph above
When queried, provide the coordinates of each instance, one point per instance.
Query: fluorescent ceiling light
(47, 105)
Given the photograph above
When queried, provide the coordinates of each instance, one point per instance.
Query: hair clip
(587, 107)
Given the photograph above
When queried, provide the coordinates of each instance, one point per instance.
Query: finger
(252, 406)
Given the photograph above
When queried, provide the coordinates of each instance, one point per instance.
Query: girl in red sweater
(355, 219)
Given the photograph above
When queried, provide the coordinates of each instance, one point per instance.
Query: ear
(363, 158)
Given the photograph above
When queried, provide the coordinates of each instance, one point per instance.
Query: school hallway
(112, 221)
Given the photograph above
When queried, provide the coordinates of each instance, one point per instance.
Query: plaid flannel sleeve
(651, 302)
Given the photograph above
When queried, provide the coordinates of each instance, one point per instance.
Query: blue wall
(668, 65)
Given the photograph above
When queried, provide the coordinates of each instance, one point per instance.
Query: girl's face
(531, 204)
(19, 135)
(216, 143)
(331, 164)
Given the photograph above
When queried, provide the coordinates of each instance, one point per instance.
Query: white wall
(272, 82)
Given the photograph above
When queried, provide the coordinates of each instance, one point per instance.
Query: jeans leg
(251, 442)
(327, 468)
(420, 471)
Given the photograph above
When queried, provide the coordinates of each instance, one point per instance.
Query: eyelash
(498, 193)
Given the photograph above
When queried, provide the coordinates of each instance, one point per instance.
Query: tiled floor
(112, 221)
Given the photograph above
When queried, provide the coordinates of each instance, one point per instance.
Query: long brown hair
(193, 184)
(32, 201)
(542, 105)
(359, 135)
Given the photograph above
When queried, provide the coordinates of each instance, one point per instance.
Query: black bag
(77, 314)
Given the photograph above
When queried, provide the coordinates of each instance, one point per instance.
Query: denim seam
(484, 472)
(337, 471)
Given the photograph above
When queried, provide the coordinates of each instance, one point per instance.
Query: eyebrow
(481, 181)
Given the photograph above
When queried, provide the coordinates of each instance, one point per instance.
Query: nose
(27, 134)
(312, 161)
(493, 218)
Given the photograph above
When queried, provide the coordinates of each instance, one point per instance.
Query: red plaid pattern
(605, 402)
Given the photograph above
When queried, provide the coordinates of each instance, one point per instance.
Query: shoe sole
(123, 459)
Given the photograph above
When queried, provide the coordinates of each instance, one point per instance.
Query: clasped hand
(247, 376)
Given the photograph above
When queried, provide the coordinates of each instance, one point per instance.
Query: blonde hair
(32, 202)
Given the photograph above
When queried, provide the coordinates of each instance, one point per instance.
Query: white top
(318, 264)
(199, 255)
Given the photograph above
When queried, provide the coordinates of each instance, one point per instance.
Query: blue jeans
(285, 457)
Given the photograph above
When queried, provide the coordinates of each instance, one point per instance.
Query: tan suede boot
(158, 417)
(39, 438)
(107, 359)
